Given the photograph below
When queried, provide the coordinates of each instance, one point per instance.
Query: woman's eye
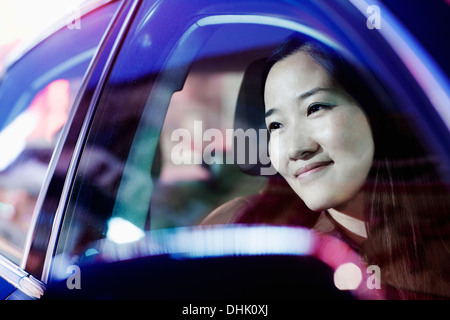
(274, 126)
(316, 107)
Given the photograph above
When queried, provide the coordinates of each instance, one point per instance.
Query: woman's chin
(317, 206)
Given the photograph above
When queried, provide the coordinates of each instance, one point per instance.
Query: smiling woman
(333, 141)
(352, 165)
(321, 141)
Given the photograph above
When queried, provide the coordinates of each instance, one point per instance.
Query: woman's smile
(312, 168)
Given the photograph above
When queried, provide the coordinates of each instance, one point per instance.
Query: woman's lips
(311, 168)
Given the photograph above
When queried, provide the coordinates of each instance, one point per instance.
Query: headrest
(249, 122)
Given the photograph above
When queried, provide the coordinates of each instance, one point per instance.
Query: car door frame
(46, 225)
(211, 17)
(28, 280)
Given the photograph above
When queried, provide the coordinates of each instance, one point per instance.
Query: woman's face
(320, 139)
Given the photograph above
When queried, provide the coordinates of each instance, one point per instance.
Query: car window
(37, 93)
(28, 142)
(163, 149)
(173, 162)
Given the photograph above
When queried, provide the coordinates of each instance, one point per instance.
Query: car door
(39, 92)
(178, 68)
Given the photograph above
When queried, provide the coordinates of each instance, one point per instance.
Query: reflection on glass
(27, 144)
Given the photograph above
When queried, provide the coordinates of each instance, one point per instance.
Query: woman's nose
(301, 146)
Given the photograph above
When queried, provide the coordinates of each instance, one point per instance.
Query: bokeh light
(24, 19)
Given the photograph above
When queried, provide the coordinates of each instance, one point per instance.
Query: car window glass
(162, 150)
(37, 93)
(176, 163)
(28, 142)
(159, 153)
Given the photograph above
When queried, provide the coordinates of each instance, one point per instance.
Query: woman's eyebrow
(313, 91)
(269, 113)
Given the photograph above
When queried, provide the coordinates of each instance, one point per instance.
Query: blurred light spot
(122, 231)
(45, 116)
(223, 241)
(91, 252)
(209, 241)
(13, 138)
(347, 276)
(7, 211)
(50, 107)
(333, 251)
(25, 18)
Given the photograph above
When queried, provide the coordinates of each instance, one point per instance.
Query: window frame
(27, 284)
(105, 62)
(84, 109)
(193, 20)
